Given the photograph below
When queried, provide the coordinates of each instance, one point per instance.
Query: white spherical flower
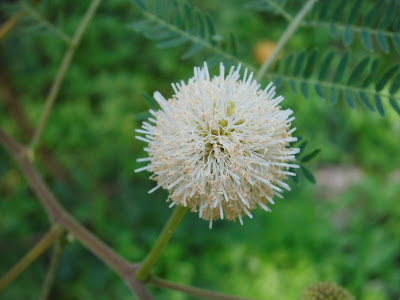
(221, 145)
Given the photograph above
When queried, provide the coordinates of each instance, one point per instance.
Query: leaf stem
(280, 10)
(55, 260)
(190, 290)
(193, 38)
(55, 87)
(34, 14)
(285, 37)
(9, 24)
(151, 259)
(52, 235)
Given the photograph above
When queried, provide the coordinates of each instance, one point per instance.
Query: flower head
(220, 145)
(325, 290)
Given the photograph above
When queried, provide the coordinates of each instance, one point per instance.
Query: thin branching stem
(285, 37)
(9, 24)
(190, 290)
(55, 87)
(143, 273)
(34, 14)
(193, 38)
(31, 256)
(54, 262)
(354, 27)
(341, 26)
(280, 10)
(59, 215)
(330, 84)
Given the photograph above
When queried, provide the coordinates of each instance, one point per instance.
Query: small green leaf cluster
(352, 19)
(174, 23)
(333, 76)
(304, 158)
(349, 20)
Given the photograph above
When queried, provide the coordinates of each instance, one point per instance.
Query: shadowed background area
(345, 228)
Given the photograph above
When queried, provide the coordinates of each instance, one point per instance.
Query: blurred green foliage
(351, 237)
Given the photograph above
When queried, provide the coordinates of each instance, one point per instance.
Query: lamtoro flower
(220, 146)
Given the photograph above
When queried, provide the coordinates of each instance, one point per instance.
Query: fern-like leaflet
(348, 18)
(328, 77)
(174, 23)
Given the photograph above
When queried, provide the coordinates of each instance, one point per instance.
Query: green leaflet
(373, 13)
(299, 64)
(150, 101)
(386, 77)
(288, 63)
(394, 87)
(302, 147)
(295, 178)
(364, 99)
(189, 17)
(192, 51)
(355, 12)
(210, 28)
(383, 42)
(379, 105)
(307, 174)
(394, 103)
(174, 42)
(142, 4)
(319, 90)
(341, 67)
(396, 42)
(333, 30)
(358, 70)
(389, 13)
(177, 22)
(333, 95)
(201, 23)
(347, 36)
(310, 64)
(304, 90)
(348, 97)
(292, 85)
(325, 65)
(366, 40)
(371, 74)
(338, 12)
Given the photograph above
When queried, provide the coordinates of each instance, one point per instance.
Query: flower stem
(31, 256)
(285, 37)
(143, 273)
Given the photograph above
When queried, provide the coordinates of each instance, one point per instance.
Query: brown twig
(6, 27)
(9, 24)
(190, 290)
(16, 111)
(59, 215)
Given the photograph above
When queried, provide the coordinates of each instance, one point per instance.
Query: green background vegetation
(348, 236)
